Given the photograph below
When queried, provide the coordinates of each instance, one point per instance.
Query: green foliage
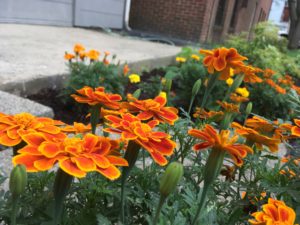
(94, 74)
(266, 50)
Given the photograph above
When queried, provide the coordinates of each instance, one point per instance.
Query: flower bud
(137, 93)
(171, 178)
(196, 87)
(249, 108)
(18, 180)
(168, 85)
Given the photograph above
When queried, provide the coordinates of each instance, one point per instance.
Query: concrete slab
(31, 52)
(12, 104)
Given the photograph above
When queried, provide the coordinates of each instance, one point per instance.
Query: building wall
(182, 19)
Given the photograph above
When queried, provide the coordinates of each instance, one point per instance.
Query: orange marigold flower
(295, 130)
(275, 212)
(105, 62)
(93, 54)
(250, 74)
(287, 80)
(12, 127)
(253, 136)
(77, 128)
(229, 107)
(221, 141)
(275, 86)
(237, 98)
(203, 114)
(82, 55)
(97, 96)
(153, 108)
(268, 73)
(126, 69)
(222, 60)
(158, 144)
(74, 155)
(106, 53)
(296, 88)
(69, 56)
(78, 48)
(259, 124)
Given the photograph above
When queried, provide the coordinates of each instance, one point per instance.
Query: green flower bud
(137, 93)
(18, 180)
(170, 178)
(168, 85)
(196, 87)
(249, 108)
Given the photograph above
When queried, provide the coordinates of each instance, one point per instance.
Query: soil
(66, 111)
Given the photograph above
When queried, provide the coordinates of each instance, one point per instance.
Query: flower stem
(201, 203)
(211, 83)
(61, 188)
(131, 156)
(95, 111)
(162, 200)
(13, 216)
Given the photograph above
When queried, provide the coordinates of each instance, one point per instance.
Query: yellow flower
(180, 59)
(196, 57)
(163, 94)
(243, 92)
(134, 78)
(231, 72)
(229, 81)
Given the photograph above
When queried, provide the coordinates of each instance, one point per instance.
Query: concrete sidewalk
(31, 56)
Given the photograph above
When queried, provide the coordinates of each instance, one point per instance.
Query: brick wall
(182, 19)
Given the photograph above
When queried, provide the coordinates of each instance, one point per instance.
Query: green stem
(201, 203)
(131, 156)
(61, 188)
(13, 217)
(191, 104)
(95, 116)
(211, 83)
(162, 200)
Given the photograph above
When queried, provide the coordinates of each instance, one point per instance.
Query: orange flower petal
(84, 164)
(33, 139)
(6, 141)
(44, 164)
(159, 158)
(201, 146)
(117, 160)
(30, 150)
(71, 168)
(100, 160)
(111, 172)
(49, 149)
(145, 115)
(27, 161)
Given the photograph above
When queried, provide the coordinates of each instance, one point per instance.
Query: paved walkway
(30, 52)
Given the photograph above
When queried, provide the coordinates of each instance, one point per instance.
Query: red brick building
(197, 20)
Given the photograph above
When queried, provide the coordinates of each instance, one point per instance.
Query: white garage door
(49, 12)
(99, 13)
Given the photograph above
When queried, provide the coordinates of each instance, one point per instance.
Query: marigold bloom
(93, 54)
(158, 144)
(243, 92)
(275, 212)
(82, 55)
(222, 60)
(180, 59)
(250, 74)
(254, 137)
(237, 98)
(97, 96)
(78, 48)
(229, 81)
(295, 130)
(74, 155)
(106, 53)
(229, 107)
(126, 69)
(69, 56)
(163, 94)
(195, 57)
(268, 73)
(155, 108)
(221, 141)
(275, 86)
(134, 78)
(12, 127)
(259, 124)
(77, 128)
(203, 114)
